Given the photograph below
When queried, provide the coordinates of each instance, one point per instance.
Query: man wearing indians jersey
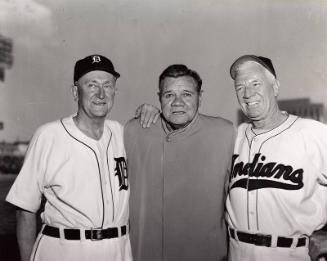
(78, 164)
(277, 196)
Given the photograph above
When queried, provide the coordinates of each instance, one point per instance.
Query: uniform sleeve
(316, 145)
(26, 192)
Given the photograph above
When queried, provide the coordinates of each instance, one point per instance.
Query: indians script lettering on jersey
(260, 174)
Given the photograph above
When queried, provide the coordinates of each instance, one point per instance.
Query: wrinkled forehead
(250, 68)
(182, 82)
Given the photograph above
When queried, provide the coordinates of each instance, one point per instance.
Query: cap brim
(114, 73)
(105, 69)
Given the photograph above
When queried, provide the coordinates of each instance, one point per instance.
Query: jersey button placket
(252, 209)
(252, 193)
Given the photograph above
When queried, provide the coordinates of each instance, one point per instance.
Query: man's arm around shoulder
(26, 232)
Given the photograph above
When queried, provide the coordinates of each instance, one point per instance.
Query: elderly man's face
(256, 91)
(179, 100)
(95, 92)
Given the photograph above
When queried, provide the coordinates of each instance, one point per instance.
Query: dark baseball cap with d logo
(93, 62)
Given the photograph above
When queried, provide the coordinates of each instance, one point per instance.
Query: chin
(253, 114)
(100, 115)
(178, 122)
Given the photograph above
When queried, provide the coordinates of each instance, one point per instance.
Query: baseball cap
(265, 62)
(93, 62)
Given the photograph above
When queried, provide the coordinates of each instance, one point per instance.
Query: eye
(256, 84)
(187, 94)
(91, 85)
(239, 87)
(108, 86)
(168, 95)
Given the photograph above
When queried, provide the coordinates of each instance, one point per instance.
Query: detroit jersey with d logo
(85, 183)
(277, 179)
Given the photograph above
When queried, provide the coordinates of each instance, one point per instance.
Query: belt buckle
(96, 234)
(262, 240)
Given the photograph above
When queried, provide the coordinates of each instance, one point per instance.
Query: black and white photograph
(163, 130)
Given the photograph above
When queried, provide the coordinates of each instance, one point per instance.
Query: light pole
(6, 59)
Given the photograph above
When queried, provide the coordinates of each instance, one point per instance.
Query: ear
(74, 90)
(159, 95)
(276, 87)
(200, 97)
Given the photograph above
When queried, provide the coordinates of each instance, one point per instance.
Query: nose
(248, 92)
(101, 92)
(178, 101)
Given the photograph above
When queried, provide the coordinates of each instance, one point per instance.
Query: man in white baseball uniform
(277, 195)
(78, 164)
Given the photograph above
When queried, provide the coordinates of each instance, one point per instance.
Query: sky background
(143, 37)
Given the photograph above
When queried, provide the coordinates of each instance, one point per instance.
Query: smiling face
(180, 100)
(95, 92)
(256, 90)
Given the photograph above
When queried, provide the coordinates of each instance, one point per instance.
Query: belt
(266, 240)
(93, 234)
